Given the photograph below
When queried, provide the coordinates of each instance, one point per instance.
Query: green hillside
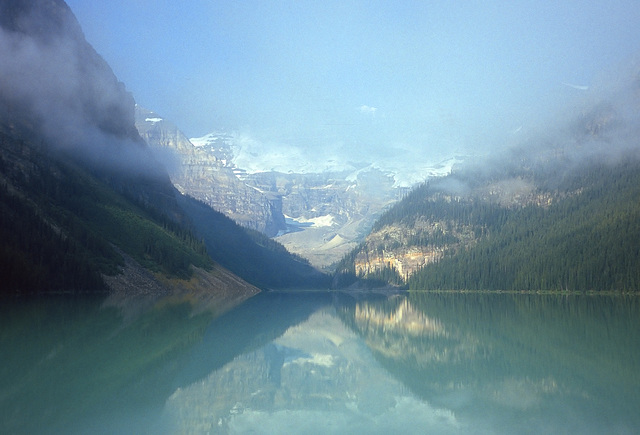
(80, 191)
(250, 254)
(572, 230)
(589, 240)
(62, 226)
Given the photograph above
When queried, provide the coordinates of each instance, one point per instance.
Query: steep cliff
(202, 172)
(320, 216)
(86, 206)
(55, 83)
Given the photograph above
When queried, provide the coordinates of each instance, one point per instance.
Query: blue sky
(364, 76)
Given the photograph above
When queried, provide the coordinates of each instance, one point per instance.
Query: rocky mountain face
(487, 226)
(73, 166)
(54, 82)
(203, 173)
(320, 216)
(415, 240)
(328, 213)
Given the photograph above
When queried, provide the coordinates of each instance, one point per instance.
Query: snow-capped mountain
(317, 203)
(407, 167)
(204, 173)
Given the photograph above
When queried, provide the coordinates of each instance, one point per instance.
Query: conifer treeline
(59, 225)
(63, 226)
(587, 239)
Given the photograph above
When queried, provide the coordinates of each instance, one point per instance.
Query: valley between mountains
(320, 213)
(556, 210)
(95, 190)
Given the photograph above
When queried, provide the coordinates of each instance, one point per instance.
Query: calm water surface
(319, 362)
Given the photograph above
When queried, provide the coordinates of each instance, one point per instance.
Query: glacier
(250, 156)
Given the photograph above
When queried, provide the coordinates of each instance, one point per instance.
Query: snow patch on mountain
(251, 156)
(319, 221)
(409, 173)
(210, 139)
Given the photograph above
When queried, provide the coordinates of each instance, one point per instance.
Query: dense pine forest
(65, 226)
(587, 241)
(575, 230)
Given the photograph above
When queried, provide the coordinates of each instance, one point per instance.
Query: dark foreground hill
(82, 198)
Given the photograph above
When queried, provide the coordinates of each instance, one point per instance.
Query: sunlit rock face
(320, 216)
(411, 242)
(202, 172)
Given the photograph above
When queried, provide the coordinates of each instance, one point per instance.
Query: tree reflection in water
(325, 362)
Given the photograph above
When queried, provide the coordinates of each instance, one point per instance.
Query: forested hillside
(62, 227)
(589, 240)
(558, 211)
(584, 234)
(82, 197)
(249, 253)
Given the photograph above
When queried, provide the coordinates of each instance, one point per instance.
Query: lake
(323, 362)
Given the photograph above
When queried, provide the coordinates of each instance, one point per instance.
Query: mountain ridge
(319, 215)
(201, 172)
(86, 204)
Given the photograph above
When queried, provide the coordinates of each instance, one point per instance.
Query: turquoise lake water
(323, 362)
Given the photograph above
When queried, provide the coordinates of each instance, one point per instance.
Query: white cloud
(368, 110)
(578, 87)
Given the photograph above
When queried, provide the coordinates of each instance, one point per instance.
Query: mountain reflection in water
(319, 362)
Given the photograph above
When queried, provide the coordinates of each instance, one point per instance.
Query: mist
(400, 87)
(596, 125)
(355, 80)
(54, 86)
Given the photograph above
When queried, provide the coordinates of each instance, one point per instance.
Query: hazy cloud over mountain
(52, 81)
(432, 78)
